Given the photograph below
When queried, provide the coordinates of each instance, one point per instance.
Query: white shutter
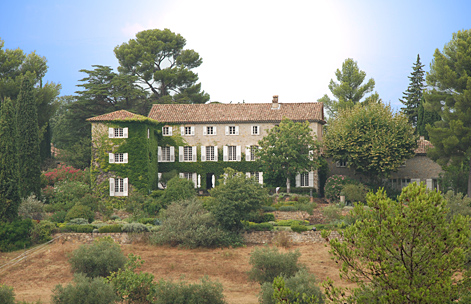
(193, 179)
(125, 187)
(247, 153)
(311, 179)
(172, 153)
(247, 174)
(237, 130)
(213, 181)
(199, 180)
(192, 130)
(111, 158)
(180, 153)
(111, 186)
(298, 180)
(125, 158)
(170, 131)
(225, 153)
(181, 175)
(238, 153)
(193, 150)
(429, 183)
(214, 130)
(260, 174)
(125, 132)
(111, 132)
(159, 154)
(204, 130)
(415, 180)
(216, 153)
(227, 130)
(182, 131)
(203, 153)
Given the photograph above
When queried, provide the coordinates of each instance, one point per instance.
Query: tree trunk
(469, 179)
(288, 186)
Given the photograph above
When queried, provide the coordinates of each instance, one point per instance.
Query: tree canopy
(371, 139)
(450, 95)
(350, 88)
(289, 148)
(402, 251)
(412, 97)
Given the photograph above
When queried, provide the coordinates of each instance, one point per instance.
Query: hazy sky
(251, 50)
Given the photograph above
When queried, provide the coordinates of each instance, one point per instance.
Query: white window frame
(209, 130)
(187, 131)
(257, 175)
(232, 130)
(118, 158)
(119, 186)
(255, 130)
(190, 151)
(306, 176)
(208, 155)
(161, 154)
(118, 133)
(191, 176)
(167, 131)
(229, 151)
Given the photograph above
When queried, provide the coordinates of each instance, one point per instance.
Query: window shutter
(247, 153)
(192, 130)
(237, 130)
(172, 153)
(182, 131)
(199, 180)
(238, 153)
(148, 133)
(159, 154)
(260, 174)
(125, 132)
(180, 153)
(225, 153)
(203, 153)
(214, 130)
(216, 153)
(193, 179)
(111, 132)
(125, 187)
(415, 180)
(125, 158)
(204, 130)
(429, 182)
(213, 181)
(298, 180)
(193, 150)
(181, 175)
(111, 158)
(111, 186)
(247, 174)
(170, 130)
(311, 179)
(227, 130)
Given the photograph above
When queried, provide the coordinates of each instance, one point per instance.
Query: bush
(258, 226)
(135, 228)
(457, 204)
(166, 292)
(58, 216)
(299, 228)
(15, 235)
(111, 228)
(301, 283)
(268, 208)
(99, 259)
(86, 290)
(149, 220)
(334, 185)
(288, 208)
(63, 173)
(188, 224)
(31, 208)
(268, 263)
(291, 222)
(67, 194)
(7, 296)
(332, 213)
(80, 211)
(355, 193)
(42, 231)
(77, 228)
(178, 189)
(268, 217)
(78, 221)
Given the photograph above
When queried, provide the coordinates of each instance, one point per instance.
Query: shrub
(31, 208)
(457, 204)
(80, 211)
(288, 208)
(258, 226)
(282, 239)
(268, 217)
(305, 206)
(99, 259)
(149, 220)
(41, 232)
(301, 283)
(85, 290)
(63, 173)
(299, 228)
(67, 194)
(134, 228)
(78, 221)
(77, 228)
(332, 213)
(268, 208)
(268, 263)
(167, 292)
(188, 224)
(58, 216)
(15, 235)
(178, 189)
(7, 296)
(291, 222)
(110, 228)
(355, 193)
(334, 185)
(89, 200)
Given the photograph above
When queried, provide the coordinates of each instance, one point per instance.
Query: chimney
(275, 105)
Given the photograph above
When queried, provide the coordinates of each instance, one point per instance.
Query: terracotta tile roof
(241, 112)
(118, 115)
(423, 145)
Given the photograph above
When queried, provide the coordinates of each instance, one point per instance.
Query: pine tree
(424, 118)
(9, 195)
(412, 97)
(28, 141)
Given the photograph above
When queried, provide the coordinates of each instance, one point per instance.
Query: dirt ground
(34, 278)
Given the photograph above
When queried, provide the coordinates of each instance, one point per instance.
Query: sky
(251, 50)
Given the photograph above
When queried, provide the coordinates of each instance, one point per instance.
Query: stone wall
(88, 238)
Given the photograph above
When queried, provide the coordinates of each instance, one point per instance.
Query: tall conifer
(412, 97)
(9, 195)
(28, 141)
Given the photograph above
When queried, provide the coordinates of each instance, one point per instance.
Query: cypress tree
(28, 141)
(412, 97)
(9, 195)
(425, 118)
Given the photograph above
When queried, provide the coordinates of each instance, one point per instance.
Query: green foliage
(371, 139)
(412, 97)
(288, 208)
(77, 228)
(101, 258)
(355, 193)
(63, 173)
(289, 148)
(300, 289)
(110, 228)
(290, 222)
(299, 228)
(15, 235)
(455, 177)
(424, 118)
(334, 185)
(332, 213)
(42, 231)
(130, 286)
(458, 204)
(78, 221)
(67, 194)
(188, 224)
(259, 216)
(251, 226)
(79, 211)
(85, 291)
(135, 228)
(450, 96)
(7, 296)
(268, 263)
(31, 208)
(402, 251)
(350, 89)
(235, 199)
(158, 59)
(178, 189)
(207, 292)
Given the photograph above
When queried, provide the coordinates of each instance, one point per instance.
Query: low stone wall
(88, 238)
(290, 215)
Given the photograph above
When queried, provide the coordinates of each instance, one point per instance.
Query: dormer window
(255, 130)
(118, 133)
(167, 131)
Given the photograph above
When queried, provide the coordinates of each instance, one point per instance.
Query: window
(255, 130)
(257, 175)
(252, 152)
(210, 155)
(166, 154)
(118, 133)
(232, 152)
(193, 177)
(118, 158)
(187, 154)
(187, 131)
(209, 130)
(341, 164)
(304, 179)
(118, 187)
(167, 131)
(232, 130)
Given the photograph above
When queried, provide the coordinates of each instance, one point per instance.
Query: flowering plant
(334, 185)
(63, 173)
